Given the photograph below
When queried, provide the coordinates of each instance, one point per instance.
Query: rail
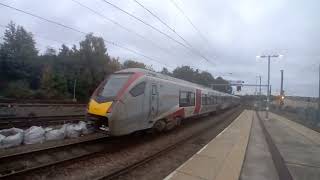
(21, 122)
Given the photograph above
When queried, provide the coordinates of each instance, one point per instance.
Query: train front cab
(124, 103)
(104, 103)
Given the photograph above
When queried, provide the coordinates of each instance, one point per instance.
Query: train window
(154, 89)
(138, 89)
(186, 99)
(209, 101)
(204, 99)
(113, 85)
(192, 98)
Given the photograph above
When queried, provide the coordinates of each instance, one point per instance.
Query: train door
(154, 100)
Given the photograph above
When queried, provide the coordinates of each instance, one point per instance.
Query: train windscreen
(114, 85)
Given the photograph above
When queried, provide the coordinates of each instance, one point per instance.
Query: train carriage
(137, 99)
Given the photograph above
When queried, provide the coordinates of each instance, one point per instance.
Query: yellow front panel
(98, 108)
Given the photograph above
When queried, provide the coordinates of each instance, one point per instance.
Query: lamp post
(268, 88)
(319, 97)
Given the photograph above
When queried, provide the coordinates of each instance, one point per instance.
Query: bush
(19, 89)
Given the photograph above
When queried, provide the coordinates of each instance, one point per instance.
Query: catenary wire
(189, 20)
(121, 26)
(170, 28)
(156, 29)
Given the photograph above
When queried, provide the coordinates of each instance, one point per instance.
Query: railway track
(231, 115)
(9, 105)
(22, 122)
(16, 165)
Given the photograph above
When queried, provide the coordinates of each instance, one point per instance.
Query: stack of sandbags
(36, 134)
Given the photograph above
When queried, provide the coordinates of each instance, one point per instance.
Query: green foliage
(19, 89)
(222, 88)
(204, 78)
(133, 64)
(165, 71)
(53, 85)
(17, 55)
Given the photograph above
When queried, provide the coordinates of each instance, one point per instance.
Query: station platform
(253, 148)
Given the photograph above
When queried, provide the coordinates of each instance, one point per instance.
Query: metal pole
(281, 91)
(255, 91)
(260, 93)
(281, 87)
(268, 90)
(319, 97)
(74, 89)
(260, 86)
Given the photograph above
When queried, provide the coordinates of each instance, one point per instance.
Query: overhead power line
(170, 28)
(156, 29)
(79, 31)
(165, 24)
(189, 20)
(121, 26)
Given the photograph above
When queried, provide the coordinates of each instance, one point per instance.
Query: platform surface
(299, 146)
(221, 158)
(242, 152)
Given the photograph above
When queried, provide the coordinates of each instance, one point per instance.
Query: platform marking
(170, 175)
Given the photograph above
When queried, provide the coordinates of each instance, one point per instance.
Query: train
(134, 99)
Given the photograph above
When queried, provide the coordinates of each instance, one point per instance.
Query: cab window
(113, 85)
(138, 89)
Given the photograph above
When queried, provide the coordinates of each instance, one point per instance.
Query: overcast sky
(232, 34)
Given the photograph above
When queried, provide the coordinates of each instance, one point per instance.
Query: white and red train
(137, 99)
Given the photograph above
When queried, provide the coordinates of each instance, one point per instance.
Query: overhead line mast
(81, 32)
(156, 29)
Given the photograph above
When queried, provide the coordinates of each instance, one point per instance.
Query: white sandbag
(48, 129)
(2, 137)
(33, 135)
(55, 134)
(73, 130)
(11, 137)
(84, 128)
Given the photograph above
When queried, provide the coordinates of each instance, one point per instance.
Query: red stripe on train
(178, 113)
(198, 102)
(132, 78)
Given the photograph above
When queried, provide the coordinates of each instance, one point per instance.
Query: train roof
(166, 77)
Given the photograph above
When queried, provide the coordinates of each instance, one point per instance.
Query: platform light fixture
(268, 91)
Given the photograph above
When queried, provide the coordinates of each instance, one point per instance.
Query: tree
(185, 73)
(19, 44)
(204, 78)
(227, 88)
(50, 51)
(53, 85)
(133, 64)
(18, 56)
(165, 71)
